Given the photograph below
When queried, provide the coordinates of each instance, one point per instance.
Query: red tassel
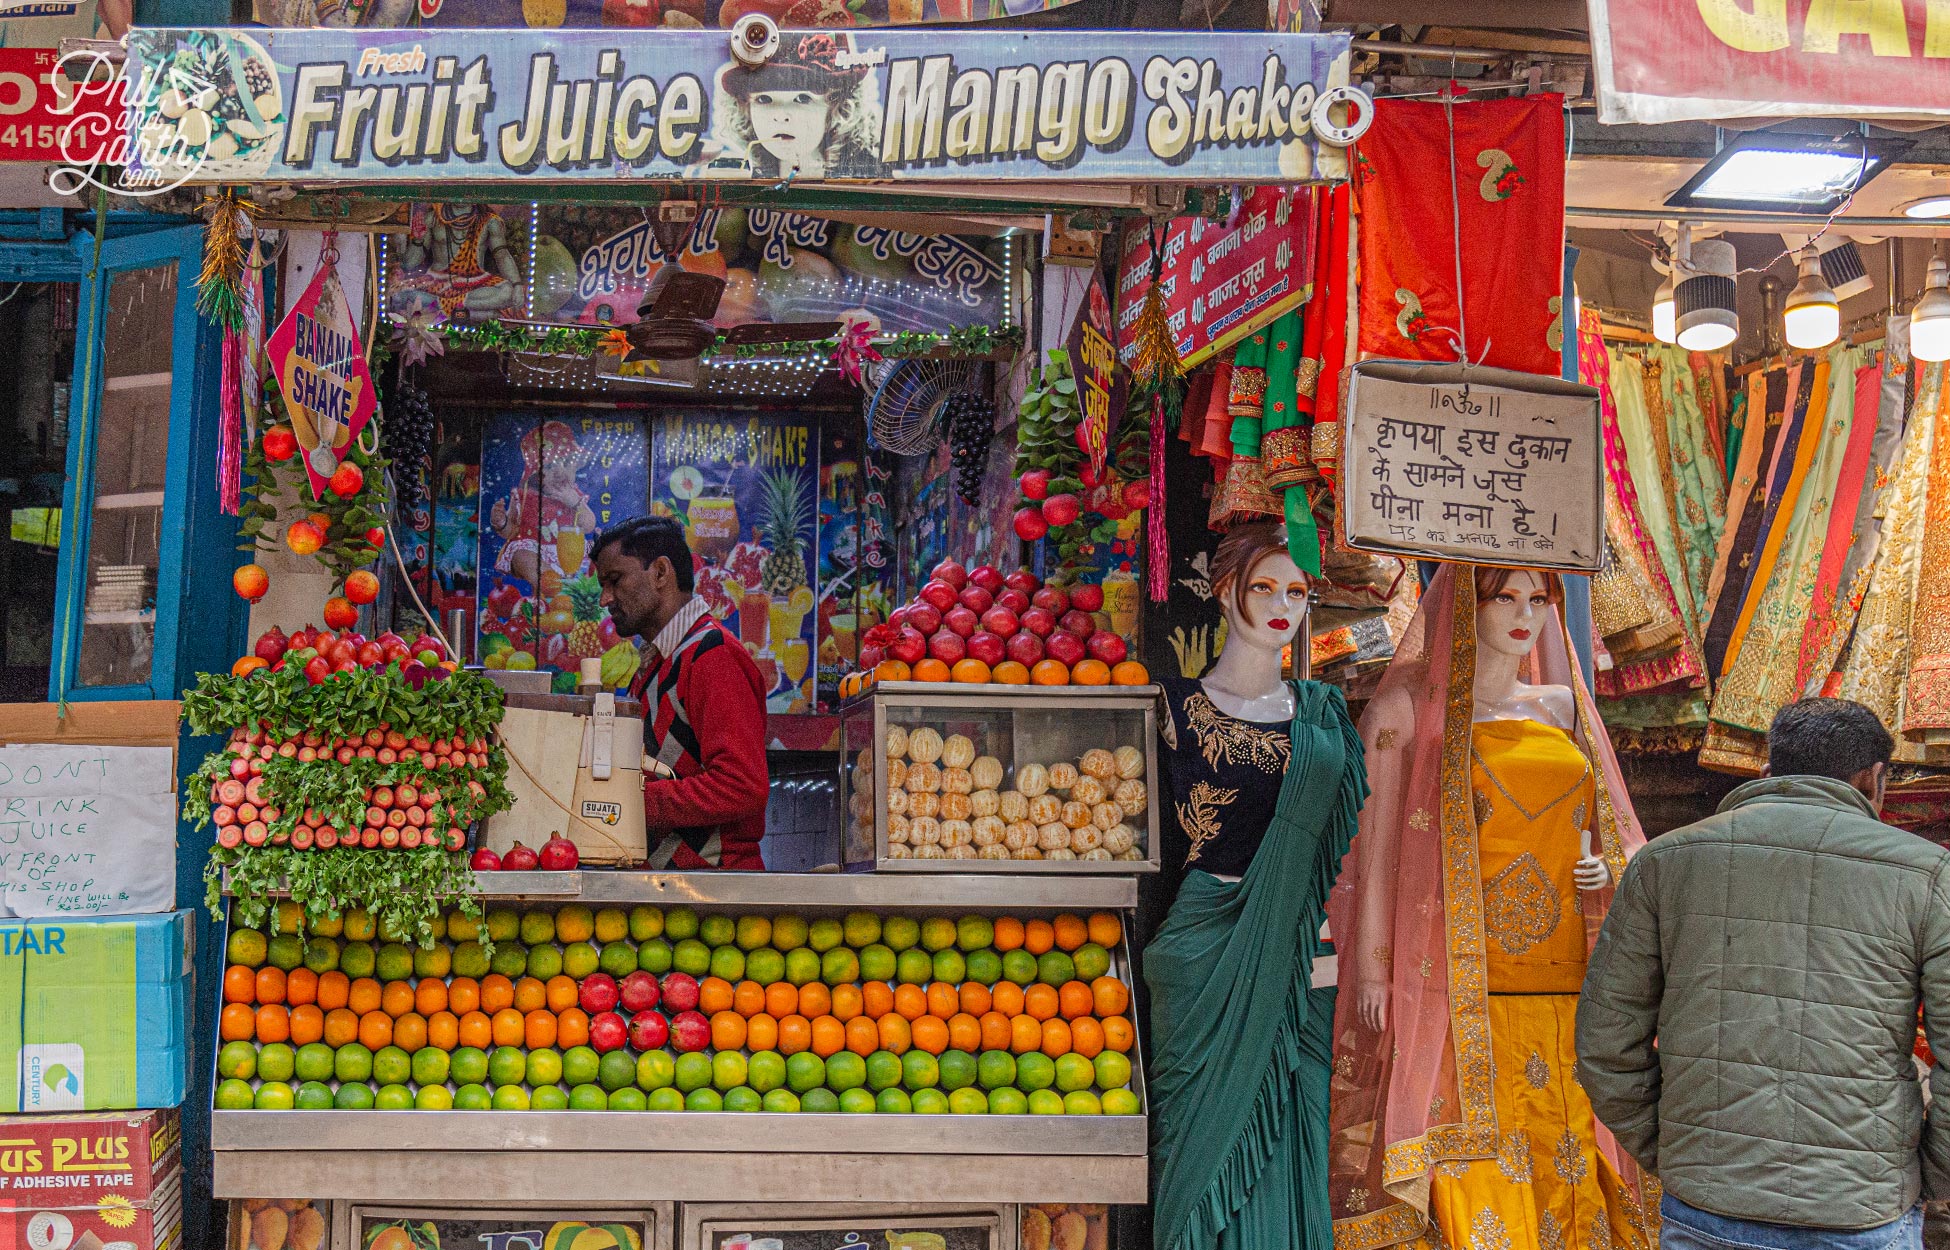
(1158, 566)
(230, 429)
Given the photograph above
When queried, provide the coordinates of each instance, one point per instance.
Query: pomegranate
(639, 991)
(987, 577)
(924, 617)
(1137, 494)
(1052, 600)
(961, 621)
(1025, 649)
(598, 993)
(1078, 622)
(648, 1030)
(1001, 622)
(1023, 582)
(1106, 646)
(1066, 647)
(689, 1031)
(911, 647)
(1030, 525)
(271, 645)
(680, 991)
(1039, 621)
(951, 572)
(607, 1032)
(871, 656)
(976, 600)
(948, 647)
(987, 648)
(1016, 601)
(484, 860)
(518, 858)
(558, 854)
(1087, 596)
(940, 594)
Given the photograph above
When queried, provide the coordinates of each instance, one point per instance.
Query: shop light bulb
(1664, 314)
(1812, 316)
(1707, 318)
(1929, 321)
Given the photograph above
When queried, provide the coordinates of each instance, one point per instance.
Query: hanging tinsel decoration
(220, 297)
(1157, 374)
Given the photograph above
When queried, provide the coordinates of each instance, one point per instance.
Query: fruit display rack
(567, 1156)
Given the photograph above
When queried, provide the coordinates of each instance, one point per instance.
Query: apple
(987, 648)
(1025, 649)
(598, 993)
(961, 621)
(1035, 484)
(607, 1032)
(1078, 622)
(1087, 595)
(680, 991)
(1001, 622)
(951, 572)
(317, 669)
(948, 647)
(987, 576)
(1030, 525)
(689, 1031)
(1052, 599)
(1060, 510)
(648, 1030)
(1023, 582)
(1039, 621)
(1016, 601)
(924, 618)
(871, 656)
(639, 991)
(1066, 647)
(976, 600)
(1106, 646)
(1137, 494)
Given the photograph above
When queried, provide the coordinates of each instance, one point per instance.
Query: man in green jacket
(1749, 1013)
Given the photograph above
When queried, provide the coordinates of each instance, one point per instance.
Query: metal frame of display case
(553, 1158)
(696, 1222)
(660, 1218)
(949, 697)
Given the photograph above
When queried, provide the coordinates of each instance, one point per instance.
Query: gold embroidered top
(1532, 789)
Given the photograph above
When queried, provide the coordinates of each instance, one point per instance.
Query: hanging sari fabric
(1650, 463)
(1699, 503)
(1334, 284)
(1926, 704)
(1782, 433)
(1847, 521)
(1710, 392)
(1286, 426)
(1243, 494)
(1742, 481)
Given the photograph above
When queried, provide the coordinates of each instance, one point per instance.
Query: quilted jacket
(1749, 1012)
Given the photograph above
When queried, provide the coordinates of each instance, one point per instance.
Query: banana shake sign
(374, 106)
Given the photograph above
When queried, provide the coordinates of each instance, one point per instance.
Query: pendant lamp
(1704, 298)
(1929, 320)
(1664, 313)
(1812, 315)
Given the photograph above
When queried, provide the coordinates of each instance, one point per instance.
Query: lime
(919, 1070)
(802, 965)
(728, 1070)
(893, 1102)
(985, 966)
(692, 956)
(473, 1097)
(766, 1071)
(289, 916)
(546, 961)
(544, 1066)
(321, 954)
(680, 923)
(969, 1101)
(1008, 1102)
(819, 1101)
(900, 933)
(1113, 1070)
(1045, 1102)
(805, 1071)
(861, 928)
(930, 1102)
(654, 956)
(507, 1065)
(765, 965)
(958, 1069)
(510, 959)
(691, 1071)
(235, 1094)
(1121, 1102)
(645, 923)
(1035, 1071)
(839, 966)
(914, 967)
(433, 1098)
(574, 922)
(995, 1069)
(1055, 968)
(858, 1102)
(470, 1066)
(276, 1062)
(393, 1098)
(286, 951)
(743, 1098)
(471, 960)
(316, 1096)
(503, 925)
(392, 1066)
(717, 930)
(359, 926)
(654, 1069)
(629, 1099)
(616, 1069)
(1019, 966)
(588, 1098)
(314, 1062)
(728, 962)
(353, 1096)
(877, 962)
(275, 1096)
(549, 1098)
(431, 1066)
(353, 1062)
(331, 927)
(239, 1060)
(824, 934)
(780, 1101)
(706, 1099)
(883, 1070)
(950, 966)
(788, 932)
(1091, 961)
(1082, 1102)
(666, 1099)
(845, 1071)
(753, 932)
(357, 960)
(618, 959)
(972, 933)
(937, 933)
(435, 961)
(462, 927)
(537, 927)
(395, 962)
(510, 1098)
(1074, 1072)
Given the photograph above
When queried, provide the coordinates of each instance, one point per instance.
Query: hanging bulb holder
(1929, 320)
(1812, 315)
(1707, 320)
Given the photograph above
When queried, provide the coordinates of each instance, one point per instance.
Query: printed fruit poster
(746, 486)
(547, 486)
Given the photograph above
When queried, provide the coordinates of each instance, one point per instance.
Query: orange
(1007, 998)
(782, 999)
(410, 1032)
(443, 1030)
(539, 1028)
(795, 1034)
(270, 985)
(930, 1033)
(1091, 673)
(816, 1000)
(239, 985)
(1056, 1038)
(995, 1031)
(248, 665)
(530, 995)
(571, 1028)
(1118, 1034)
(497, 992)
(341, 1027)
(1129, 673)
(1050, 673)
(1071, 931)
(561, 993)
(375, 1030)
(943, 1000)
(911, 1001)
(1038, 937)
(1010, 673)
(1073, 1000)
(396, 999)
(972, 671)
(1087, 1037)
(728, 1030)
(964, 1032)
(476, 1030)
(334, 988)
(1106, 930)
(847, 1001)
(714, 994)
(463, 995)
(1039, 1001)
(892, 670)
(1025, 1035)
(931, 669)
(828, 1037)
(510, 1027)
(273, 1023)
(300, 987)
(897, 1035)
(876, 998)
(1008, 934)
(762, 1032)
(307, 1024)
(748, 998)
(863, 1035)
(975, 998)
(1110, 996)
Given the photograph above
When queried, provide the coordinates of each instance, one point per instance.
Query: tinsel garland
(503, 336)
(230, 426)
(1156, 369)
(220, 297)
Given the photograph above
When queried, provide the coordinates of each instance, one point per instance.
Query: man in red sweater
(704, 705)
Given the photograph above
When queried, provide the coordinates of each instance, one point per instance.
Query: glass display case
(946, 777)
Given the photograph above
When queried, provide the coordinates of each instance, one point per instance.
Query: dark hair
(649, 538)
(1490, 580)
(1826, 738)
(1243, 547)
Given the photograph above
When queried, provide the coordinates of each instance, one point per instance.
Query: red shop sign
(30, 129)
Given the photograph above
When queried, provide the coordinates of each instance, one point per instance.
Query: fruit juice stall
(572, 1051)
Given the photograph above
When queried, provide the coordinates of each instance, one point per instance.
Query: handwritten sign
(86, 830)
(1099, 376)
(1497, 467)
(321, 369)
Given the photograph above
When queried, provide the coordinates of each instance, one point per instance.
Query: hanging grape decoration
(407, 437)
(971, 428)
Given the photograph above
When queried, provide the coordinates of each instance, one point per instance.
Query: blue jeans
(1689, 1228)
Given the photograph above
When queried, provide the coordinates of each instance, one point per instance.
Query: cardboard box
(91, 1182)
(94, 1014)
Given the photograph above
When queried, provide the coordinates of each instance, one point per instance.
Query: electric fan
(909, 399)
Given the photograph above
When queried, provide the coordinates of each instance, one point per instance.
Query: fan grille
(904, 416)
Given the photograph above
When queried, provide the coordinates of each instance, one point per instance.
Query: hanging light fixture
(1812, 315)
(1664, 314)
(1704, 298)
(1929, 320)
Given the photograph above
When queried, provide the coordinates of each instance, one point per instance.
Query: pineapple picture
(586, 606)
(785, 515)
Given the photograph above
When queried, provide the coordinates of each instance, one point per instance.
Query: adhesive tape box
(91, 1182)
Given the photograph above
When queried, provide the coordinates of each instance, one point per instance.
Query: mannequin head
(1513, 607)
(1262, 592)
